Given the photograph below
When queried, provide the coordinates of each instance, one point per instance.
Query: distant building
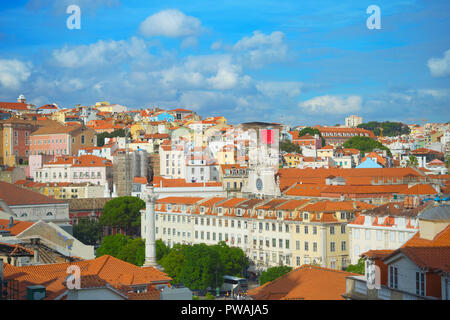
(353, 121)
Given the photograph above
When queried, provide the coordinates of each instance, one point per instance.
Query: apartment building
(62, 140)
(172, 161)
(85, 168)
(386, 227)
(271, 232)
(418, 270)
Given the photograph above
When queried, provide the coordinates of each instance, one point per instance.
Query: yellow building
(292, 159)
(226, 155)
(233, 177)
(324, 152)
(320, 235)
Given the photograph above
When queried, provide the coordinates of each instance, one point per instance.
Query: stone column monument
(150, 244)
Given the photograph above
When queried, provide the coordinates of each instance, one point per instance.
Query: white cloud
(331, 104)
(261, 49)
(275, 89)
(224, 79)
(171, 23)
(216, 45)
(99, 53)
(189, 42)
(440, 67)
(13, 72)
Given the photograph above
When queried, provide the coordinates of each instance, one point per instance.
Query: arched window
(24, 215)
(49, 214)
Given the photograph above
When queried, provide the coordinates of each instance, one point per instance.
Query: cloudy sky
(300, 62)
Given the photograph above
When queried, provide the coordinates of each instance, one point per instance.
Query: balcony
(356, 289)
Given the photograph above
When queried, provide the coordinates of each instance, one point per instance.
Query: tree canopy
(365, 144)
(195, 265)
(123, 212)
(288, 146)
(88, 231)
(173, 262)
(202, 268)
(111, 245)
(390, 129)
(357, 268)
(273, 273)
(101, 136)
(412, 161)
(127, 249)
(233, 259)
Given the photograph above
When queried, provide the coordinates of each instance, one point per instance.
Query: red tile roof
(304, 283)
(14, 195)
(17, 227)
(107, 268)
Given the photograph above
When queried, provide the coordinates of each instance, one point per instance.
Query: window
(314, 230)
(306, 229)
(306, 246)
(342, 228)
(274, 242)
(420, 283)
(287, 244)
(315, 246)
(343, 246)
(49, 214)
(297, 245)
(379, 235)
(280, 242)
(298, 261)
(332, 247)
(332, 230)
(392, 235)
(297, 229)
(368, 234)
(393, 277)
(356, 234)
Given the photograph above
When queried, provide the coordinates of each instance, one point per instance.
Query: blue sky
(300, 62)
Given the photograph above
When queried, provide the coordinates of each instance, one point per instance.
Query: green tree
(288, 146)
(201, 267)
(390, 129)
(101, 136)
(88, 231)
(365, 144)
(232, 259)
(124, 248)
(161, 249)
(412, 161)
(173, 262)
(273, 273)
(123, 212)
(133, 252)
(111, 245)
(357, 268)
(312, 132)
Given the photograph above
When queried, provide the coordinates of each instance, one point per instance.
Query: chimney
(11, 222)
